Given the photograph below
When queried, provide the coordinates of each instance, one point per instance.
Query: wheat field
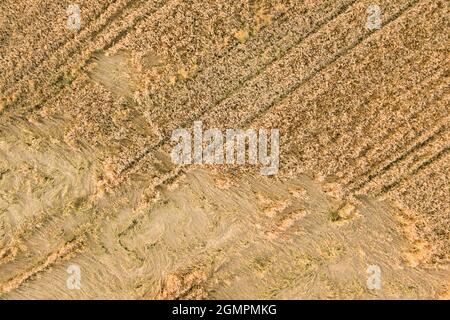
(86, 175)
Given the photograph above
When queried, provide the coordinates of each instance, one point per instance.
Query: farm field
(89, 188)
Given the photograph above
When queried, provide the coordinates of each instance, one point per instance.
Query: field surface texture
(93, 205)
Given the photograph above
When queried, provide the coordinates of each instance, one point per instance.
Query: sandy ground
(86, 177)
